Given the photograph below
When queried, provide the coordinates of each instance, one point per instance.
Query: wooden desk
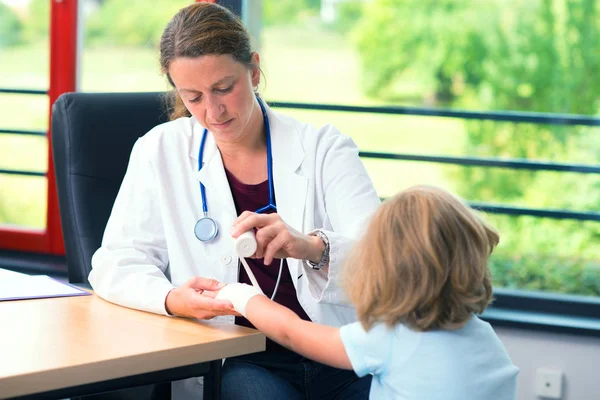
(51, 344)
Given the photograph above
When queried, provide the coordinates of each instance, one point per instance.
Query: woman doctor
(223, 165)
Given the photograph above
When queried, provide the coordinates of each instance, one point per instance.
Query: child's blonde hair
(422, 262)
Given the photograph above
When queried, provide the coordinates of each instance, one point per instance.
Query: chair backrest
(92, 138)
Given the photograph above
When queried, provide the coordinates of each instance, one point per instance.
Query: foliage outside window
(523, 55)
(23, 65)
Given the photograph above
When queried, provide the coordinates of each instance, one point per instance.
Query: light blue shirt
(468, 363)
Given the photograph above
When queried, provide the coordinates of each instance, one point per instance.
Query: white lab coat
(149, 245)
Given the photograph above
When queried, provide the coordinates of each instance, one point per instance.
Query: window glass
(121, 37)
(24, 64)
(496, 55)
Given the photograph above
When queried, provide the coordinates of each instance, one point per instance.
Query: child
(417, 278)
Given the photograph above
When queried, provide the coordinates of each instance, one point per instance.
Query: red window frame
(63, 72)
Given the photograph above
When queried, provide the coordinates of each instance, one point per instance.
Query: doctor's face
(218, 91)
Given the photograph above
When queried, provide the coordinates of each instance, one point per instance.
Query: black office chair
(92, 138)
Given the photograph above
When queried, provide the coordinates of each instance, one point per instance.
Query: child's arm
(317, 342)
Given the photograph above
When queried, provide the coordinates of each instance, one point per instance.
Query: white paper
(7, 273)
(19, 286)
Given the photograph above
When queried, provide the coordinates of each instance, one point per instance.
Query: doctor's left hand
(196, 299)
(276, 239)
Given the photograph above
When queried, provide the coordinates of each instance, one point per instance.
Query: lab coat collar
(286, 146)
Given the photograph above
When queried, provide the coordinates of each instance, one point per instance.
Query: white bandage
(239, 294)
(250, 274)
(245, 244)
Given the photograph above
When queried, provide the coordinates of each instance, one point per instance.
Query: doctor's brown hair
(197, 30)
(422, 262)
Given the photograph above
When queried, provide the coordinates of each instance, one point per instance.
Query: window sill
(542, 321)
(545, 311)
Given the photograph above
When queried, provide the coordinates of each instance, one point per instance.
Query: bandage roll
(245, 244)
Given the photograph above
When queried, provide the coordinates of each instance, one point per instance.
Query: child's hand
(238, 294)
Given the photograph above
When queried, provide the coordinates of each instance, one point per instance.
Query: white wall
(577, 356)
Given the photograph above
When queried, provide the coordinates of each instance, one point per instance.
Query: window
(526, 147)
(120, 50)
(120, 55)
(23, 66)
(24, 81)
(497, 101)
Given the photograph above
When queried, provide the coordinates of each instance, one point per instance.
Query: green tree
(11, 28)
(438, 38)
(285, 12)
(130, 22)
(544, 57)
(349, 13)
(520, 55)
(37, 24)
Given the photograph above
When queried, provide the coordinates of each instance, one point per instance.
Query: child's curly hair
(422, 262)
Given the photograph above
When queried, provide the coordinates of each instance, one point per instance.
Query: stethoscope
(206, 228)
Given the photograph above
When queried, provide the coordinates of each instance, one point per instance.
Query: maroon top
(251, 198)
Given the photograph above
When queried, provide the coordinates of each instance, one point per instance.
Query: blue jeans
(289, 376)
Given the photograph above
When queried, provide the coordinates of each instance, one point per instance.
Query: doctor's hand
(276, 239)
(196, 299)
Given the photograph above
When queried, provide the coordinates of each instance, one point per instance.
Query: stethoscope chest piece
(206, 229)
